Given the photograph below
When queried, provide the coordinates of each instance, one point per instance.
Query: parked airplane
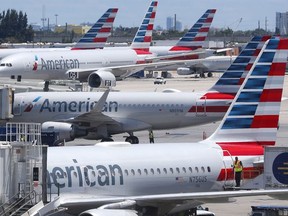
(194, 39)
(96, 37)
(75, 114)
(170, 178)
(99, 67)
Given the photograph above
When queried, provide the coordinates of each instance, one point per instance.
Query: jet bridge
(22, 168)
(6, 103)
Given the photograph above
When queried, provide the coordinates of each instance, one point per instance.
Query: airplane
(97, 115)
(192, 41)
(164, 179)
(96, 37)
(98, 67)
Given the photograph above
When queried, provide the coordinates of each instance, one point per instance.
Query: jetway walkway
(22, 156)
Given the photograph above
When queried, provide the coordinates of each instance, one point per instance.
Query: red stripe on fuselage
(181, 48)
(247, 173)
(217, 95)
(209, 109)
(244, 148)
(144, 51)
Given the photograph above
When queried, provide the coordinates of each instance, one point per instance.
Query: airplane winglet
(100, 104)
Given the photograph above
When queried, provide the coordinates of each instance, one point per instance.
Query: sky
(131, 12)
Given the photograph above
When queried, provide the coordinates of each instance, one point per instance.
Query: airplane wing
(191, 199)
(183, 54)
(121, 71)
(95, 114)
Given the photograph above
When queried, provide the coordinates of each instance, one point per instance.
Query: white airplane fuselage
(136, 171)
(54, 65)
(133, 111)
(143, 169)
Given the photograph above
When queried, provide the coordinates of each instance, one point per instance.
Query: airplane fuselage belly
(135, 171)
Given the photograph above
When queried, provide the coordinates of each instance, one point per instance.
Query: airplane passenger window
(165, 170)
(93, 173)
(158, 170)
(126, 172)
(171, 170)
(203, 169)
(184, 169)
(75, 174)
(139, 171)
(177, 169)
(190, 169)
(2, 64)
(152, 171)
(146, 171)
(197, 170)
(133, 172)
(208, 169)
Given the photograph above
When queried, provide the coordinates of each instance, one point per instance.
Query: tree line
(14, 27)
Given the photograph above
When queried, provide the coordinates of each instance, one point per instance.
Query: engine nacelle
(109, 212)
(63, 131)
(101, 79)
(184, 71)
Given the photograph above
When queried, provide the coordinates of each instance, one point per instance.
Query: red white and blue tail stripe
(229, 83)
(196, 36)
(143, 37)
(252, 118)
(233, 77)
(98, 34)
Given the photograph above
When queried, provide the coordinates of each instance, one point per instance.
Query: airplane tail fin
(196, 36)
(98, 34)
(143, 37)
(252, 118)
(231, 80)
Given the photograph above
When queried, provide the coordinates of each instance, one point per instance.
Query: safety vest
(237, 166)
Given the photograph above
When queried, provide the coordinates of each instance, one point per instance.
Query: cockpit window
(6, 64)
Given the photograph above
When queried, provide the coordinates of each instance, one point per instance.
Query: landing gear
(46, 86)
(132, 139)
(209, 74)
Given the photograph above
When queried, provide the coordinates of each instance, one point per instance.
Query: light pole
(56, 15)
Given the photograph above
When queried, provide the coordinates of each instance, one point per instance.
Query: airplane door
(17, 110)
(228, 163)
(201, 107)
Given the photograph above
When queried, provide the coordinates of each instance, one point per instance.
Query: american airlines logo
(88, 175)
(60, 64)
(72, 106)
(30, 106)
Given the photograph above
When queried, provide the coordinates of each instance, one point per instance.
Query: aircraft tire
(132, 140)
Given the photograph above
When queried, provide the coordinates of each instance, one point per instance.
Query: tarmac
(240, 206)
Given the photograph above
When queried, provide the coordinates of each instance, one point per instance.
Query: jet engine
(109, 212)
(101, 79)
(62, 131)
